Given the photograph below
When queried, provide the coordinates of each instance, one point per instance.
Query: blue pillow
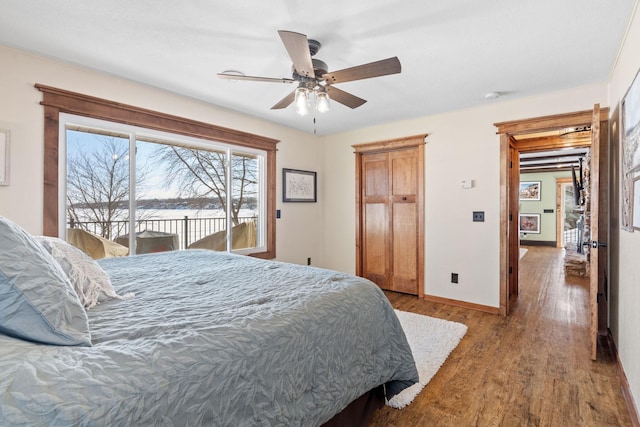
(37, 301)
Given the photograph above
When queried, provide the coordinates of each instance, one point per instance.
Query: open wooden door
(514, 227)
(596, 274)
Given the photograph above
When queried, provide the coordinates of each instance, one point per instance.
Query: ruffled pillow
(37, 301)
(90, 281)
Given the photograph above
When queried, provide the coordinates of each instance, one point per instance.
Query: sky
(155, 185)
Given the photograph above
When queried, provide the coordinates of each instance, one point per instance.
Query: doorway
(543, 133)
(553, 171)
(551, 212)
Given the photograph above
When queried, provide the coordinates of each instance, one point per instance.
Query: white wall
(461, 145)
(298, 233)
(628, 315)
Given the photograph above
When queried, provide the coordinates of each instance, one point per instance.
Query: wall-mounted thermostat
(467, 183)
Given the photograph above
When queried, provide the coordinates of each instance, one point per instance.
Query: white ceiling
(452, 52)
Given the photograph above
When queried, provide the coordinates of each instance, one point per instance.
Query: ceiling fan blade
(383, 67)
(297, 46)
(285, 102)
(254, 78)
(344, 98)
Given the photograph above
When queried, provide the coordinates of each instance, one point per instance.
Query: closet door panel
(404, 223)
(376, 250)
(376, 219)
(405, 251)
(376, 177)
(403, 173)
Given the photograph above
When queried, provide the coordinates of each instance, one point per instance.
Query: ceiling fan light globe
(302, 100)
(322, 102)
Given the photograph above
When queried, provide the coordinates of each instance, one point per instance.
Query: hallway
(532, 368)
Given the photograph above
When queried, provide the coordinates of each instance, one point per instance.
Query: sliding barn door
(390, 236)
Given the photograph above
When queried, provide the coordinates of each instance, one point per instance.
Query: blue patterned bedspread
(212, 339)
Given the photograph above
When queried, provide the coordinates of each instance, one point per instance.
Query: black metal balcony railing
(189, 230)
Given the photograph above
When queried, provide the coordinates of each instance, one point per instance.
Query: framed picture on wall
(630, 106)
(4, 157)
(529, 223)
(298, 186)
(636, 203)
(530, 190)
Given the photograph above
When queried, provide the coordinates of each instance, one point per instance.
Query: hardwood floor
(532, 368)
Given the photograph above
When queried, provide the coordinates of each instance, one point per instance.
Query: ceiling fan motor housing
(314, 46)
(320, 68)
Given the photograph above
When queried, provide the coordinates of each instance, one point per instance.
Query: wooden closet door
(375, 227)
(390, 213)
(404, 220)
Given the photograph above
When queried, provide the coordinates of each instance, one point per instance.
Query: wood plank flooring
(532, 368)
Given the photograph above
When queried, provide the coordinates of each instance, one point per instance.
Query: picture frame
(4, 156)
(630, 118)
(636, 204)
(530, 190)
(299, 186)
(529, 223)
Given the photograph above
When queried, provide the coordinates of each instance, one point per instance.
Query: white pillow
(91, 282)
(37, 301)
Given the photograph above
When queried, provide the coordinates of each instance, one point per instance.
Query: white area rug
(523, 251)
(431, 341)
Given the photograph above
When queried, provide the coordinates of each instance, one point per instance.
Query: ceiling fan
(315, 82)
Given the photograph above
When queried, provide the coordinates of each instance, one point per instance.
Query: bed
(197, 337)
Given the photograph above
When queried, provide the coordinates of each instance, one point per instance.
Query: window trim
(56, 101)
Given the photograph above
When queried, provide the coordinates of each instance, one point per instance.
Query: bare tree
(202, 174)
(98, 183)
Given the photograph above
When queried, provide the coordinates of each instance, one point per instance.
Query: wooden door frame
(508, 181)
(415, 141)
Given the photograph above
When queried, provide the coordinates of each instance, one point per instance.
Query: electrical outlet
(478, 216)
(454, 277)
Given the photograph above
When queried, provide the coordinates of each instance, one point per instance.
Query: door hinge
(510, 270)
(510, 217)
(511, 165)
